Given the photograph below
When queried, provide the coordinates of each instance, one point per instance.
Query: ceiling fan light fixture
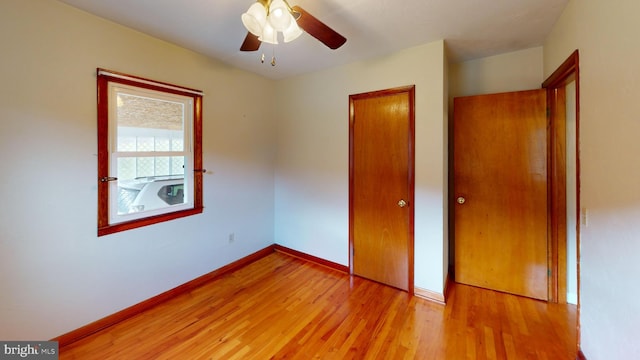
(255, 19)
(269, 34)
(266, 18)
(279, 16)
(292, 32)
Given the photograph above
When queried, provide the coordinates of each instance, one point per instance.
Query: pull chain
(273, 57)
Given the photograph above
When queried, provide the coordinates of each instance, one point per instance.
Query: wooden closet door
(500, 192)
(381, 186)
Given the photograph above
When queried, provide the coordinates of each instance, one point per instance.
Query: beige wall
(312, 174)
(514, 71)
(605, 32)
(56, 274)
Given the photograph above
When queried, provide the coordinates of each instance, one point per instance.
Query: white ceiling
(471, 28)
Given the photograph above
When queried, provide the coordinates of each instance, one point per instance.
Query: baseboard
(311, 258)
(434, 296)
(429, 295)
(581, 356)
(75, 335)
(447, 287)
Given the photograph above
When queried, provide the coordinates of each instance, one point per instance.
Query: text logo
(32, 350)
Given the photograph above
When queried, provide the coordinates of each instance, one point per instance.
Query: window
(149, 152)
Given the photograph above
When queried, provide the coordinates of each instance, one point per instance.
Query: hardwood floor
(281, 307)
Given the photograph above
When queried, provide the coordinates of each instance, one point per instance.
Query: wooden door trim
(556, 194)
(567, 71)
(410, 89)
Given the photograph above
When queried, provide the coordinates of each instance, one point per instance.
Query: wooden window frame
(104, 77)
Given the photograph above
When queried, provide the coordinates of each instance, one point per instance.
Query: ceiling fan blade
(318, 29)
(250, 43)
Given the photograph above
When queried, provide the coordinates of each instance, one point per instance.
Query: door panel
(381, 166)
(500, 177)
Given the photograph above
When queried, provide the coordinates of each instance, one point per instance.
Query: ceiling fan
(265, 18)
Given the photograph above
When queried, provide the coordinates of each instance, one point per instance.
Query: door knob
(402, 203)
(461, 200)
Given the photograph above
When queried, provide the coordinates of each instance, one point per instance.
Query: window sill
(128, 225)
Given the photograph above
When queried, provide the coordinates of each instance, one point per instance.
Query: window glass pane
(145, 194)
(130, 168)
(163, 144)
(149, 124)
(177, 165)
(149, 183)
(145, 167)
(177, 144)
(145, 143)
(127, 168)
(172, 194)
(162, 166)
(126, 143)
(126, 196)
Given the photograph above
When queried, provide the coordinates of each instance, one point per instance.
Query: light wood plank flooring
(281, 307)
